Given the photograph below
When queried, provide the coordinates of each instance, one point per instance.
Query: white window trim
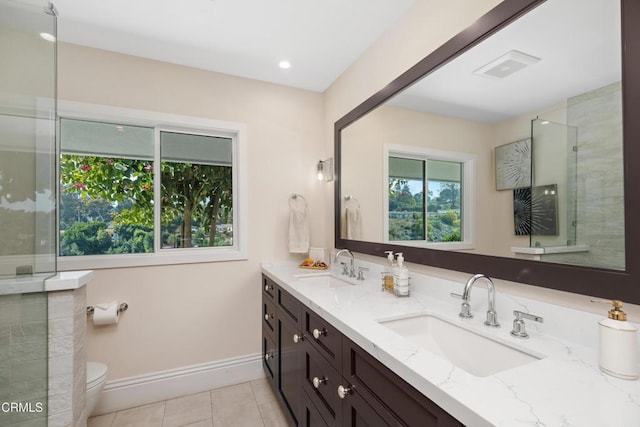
(164, 121)
(468, 203)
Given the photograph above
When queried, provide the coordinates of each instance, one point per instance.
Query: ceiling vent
(506, 65)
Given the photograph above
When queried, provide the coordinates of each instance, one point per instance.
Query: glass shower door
(554, 184)
(27, 206)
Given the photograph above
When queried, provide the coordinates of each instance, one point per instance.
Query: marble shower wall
(600, 199)
(23, 359)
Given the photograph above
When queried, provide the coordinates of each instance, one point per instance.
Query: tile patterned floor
(251, 404)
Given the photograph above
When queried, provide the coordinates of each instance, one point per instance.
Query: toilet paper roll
(106, 314)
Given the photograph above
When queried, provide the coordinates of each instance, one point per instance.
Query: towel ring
(347, 198)
(296, 196)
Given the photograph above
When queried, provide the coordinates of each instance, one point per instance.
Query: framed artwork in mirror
(513, 165)
(535, 210)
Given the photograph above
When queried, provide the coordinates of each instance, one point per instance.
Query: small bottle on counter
(401, 276)
(618, 347)
(387, 274)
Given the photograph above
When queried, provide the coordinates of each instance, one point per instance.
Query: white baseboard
(125, 393)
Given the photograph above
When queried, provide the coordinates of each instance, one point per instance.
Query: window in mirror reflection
(426, 199)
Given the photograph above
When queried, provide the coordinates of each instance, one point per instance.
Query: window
(144, 190)
(429, 197)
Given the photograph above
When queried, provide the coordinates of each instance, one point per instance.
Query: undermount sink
(476, 354)
(322, 278)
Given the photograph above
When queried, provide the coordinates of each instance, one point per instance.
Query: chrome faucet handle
(361, 271)
(345, 269)
(352, 270)
(519, 327)
(465, 307)
(492, 319)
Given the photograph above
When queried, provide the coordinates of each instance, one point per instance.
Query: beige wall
(187, 314)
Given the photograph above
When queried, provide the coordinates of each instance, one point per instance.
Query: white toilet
(96, 377)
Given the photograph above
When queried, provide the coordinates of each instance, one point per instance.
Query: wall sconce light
(324, 170)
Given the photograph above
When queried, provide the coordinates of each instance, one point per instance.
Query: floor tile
(251, 404)
(235, 406)
(105, 420)
(148, 415)
(204, 423)
(272, 415)
(187, 410)
(262, 391)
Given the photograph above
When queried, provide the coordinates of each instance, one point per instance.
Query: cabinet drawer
(383, 389)
(326, 338)
(269, 353)
(321, 384)
(288, 306)
(268, 287)
(268, 315)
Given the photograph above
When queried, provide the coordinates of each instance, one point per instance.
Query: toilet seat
(96, 374)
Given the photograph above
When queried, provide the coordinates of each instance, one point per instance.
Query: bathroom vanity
(338, 351)
(324, 379)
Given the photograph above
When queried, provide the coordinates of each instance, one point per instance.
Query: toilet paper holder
(121, 307)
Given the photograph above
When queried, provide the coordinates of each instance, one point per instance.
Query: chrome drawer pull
(343, 391)
(317, 381)
(267, 356)
(317, 333)
(268, 316)
(297, 338)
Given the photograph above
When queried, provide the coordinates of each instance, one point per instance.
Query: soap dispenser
(618, 351)
(401, 275)
(387, 274)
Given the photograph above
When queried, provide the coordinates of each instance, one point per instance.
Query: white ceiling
(248, 38)
(579, 46)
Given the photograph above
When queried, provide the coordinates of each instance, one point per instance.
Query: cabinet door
(389, 394)
(357, 413)
(290, 368)
(269, 357)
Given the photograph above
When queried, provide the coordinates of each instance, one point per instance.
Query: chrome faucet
(465, 310)
(352, 268)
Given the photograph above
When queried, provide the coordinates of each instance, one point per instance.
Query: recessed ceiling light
(284, 64)
(48, 37)
(120, 128)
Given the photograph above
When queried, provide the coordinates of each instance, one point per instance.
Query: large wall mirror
(512, 150)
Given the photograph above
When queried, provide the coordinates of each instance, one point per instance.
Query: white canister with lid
(618, 347)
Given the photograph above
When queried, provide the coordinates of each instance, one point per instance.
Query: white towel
(298, 227)
(352, 225)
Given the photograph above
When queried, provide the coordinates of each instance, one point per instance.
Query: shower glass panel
(553, 194)
(27, 205)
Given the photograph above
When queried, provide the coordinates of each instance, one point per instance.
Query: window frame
(165, 122)
(467, 212)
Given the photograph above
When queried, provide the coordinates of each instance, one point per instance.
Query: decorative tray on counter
(310, 264)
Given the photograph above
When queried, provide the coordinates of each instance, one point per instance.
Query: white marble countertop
(564, 388)
(67, 280)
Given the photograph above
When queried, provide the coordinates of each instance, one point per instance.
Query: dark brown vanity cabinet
(324, 379)
(281, 346)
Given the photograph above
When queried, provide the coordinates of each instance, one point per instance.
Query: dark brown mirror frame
(598, 282)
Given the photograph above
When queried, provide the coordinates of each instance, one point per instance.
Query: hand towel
(352, 224)
(298, 227)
